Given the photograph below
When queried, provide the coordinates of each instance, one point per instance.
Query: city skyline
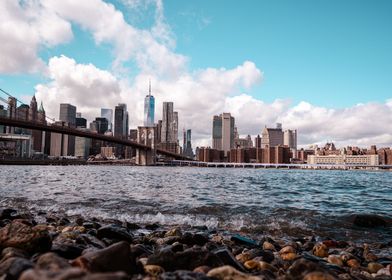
(246, 85)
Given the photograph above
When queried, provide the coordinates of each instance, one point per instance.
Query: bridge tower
(146, 135)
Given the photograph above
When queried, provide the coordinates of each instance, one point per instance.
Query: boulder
(13, 267)
(115, 232)
(369, 221)
(21, 234)
(116, 257)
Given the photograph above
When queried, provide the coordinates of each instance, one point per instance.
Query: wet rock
(369, 221)
(65, 246)
(335, 259)
(374, 267)
(153, 270)
(70, 274)
(140, 251)
(193, 239)
(267, 266)
(188, 259)
(229, 273)
(353, 263)
(152, 226)
(91, 225)
(90, 240)
(174, 232)
(52, 262)
(114, 232)
(227, 258)
(20, 234)
(183, 274)
(302, 267)
(242, 240)
(13, 252)
(268, 246)
(202, 269)
(8, 213)
(318, 276)
(288, 253)
(177, 247)
(320, 250)
(13, 267)
(116, 257)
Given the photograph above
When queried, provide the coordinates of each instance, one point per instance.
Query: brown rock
(374, 267)
(12, 253)
(288, 256)
(13, 267)
(202, 269)
(70, 274)
(153, 270)
(320, 250)
(317, 275)
(52, 262)
(268, 246)
(267, 266)
(353, 263)
(251, 265)
(334, 259)
(287, 249)
(20, 234)
(229, 273)
(116, 257)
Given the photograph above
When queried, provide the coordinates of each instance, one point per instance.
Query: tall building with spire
(149, 108)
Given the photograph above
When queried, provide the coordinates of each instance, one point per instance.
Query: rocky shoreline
(63, 248)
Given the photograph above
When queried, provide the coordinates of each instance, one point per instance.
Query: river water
(271, 201)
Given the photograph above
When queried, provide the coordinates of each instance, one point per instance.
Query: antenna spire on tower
(149, 87)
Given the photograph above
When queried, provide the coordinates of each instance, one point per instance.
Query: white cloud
(197, 95)
(24, 27)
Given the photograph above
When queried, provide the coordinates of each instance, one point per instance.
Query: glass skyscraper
(149, 109)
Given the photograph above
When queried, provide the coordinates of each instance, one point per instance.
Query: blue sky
(330, 53)
(304, 63)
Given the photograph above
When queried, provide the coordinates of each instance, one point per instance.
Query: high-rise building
(121, 121)
(175, 127)
(108, 114)
(223, 132)
(290, 140)
(167, 133)
(34, 116)
(11, 112)
(187, 147)
(80, 122)
(68, 113)
(3, 113)
(22, 113)
(99, 125)
(272, 137)
(68, 117)
(149, 108)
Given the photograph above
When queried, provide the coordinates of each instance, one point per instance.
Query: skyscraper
(272, 137)
(187, 148)
(223, 132)
(290, 140)
(149, 108)
(108, 114)
(167, 133)
(11, 112)
(67, 115)
(121, 121)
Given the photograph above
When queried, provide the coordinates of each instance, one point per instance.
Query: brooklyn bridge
(146, 148)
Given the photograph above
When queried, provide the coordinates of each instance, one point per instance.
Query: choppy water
(281, 202)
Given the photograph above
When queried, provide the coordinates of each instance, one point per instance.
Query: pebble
(335, 259)
(318, 276)
(268, 246)
(229, 273)
(353, 263)
(320, 250)
(153, 270)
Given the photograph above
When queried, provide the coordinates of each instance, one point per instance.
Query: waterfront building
(149, 108)
(82, 145)
(223, 132)
(68, 116)
(121, 121)
(272, 136)
(11, 113)
(208, 154)
(133, 135)
(59, 143)
(258, 141)
(108, 152)
(3, 113)
(343, 159)
(385, 156)
(187, 145)
(108, 114)
(15, 146)
(80, 121)
(168, 129)
(290, 139)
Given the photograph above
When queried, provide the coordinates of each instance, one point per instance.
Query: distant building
(272, 137)
(68, 115)
(149, 108)
(223, 132)
(3, 113)
(80, 121)
(11, 113)
(59, 142)
(168, 129)
(290, 140)
(343, 159)
(108, 114)
(99, 125)
(82, 145)
(187, 145)
(209, 155)
(121, 121)
(258, 141)
(15, 146)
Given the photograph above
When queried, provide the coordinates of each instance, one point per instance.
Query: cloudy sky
(322, 67)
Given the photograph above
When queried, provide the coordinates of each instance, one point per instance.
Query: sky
(321, 67)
